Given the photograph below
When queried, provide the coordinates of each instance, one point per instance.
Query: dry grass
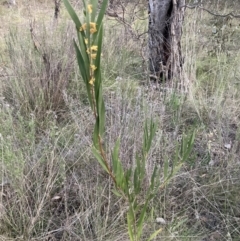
(53, 189)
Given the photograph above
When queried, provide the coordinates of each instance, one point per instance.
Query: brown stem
(105, 159)
(231, 14)
(100, 142)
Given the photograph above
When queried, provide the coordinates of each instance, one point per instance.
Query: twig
(212, 13)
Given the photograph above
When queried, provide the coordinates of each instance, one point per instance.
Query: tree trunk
(165, 30)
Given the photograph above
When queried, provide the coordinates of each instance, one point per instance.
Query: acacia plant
(128, 183)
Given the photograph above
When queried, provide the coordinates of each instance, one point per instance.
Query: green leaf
(101, 112)
(142, 169)
(117, 167)
(141, 220)
(153, 128)
(145, 138)
(83, 48)
(189, 142)
(155, 234)
(116, 149)
(81, 63)
(102, 12)
(153, 178)
(100, 159)
(98, 86)
(149, 133)
(176, 157)
(84, 6)
(130, 222)
(176, 169)
(94, 12)
(96, 134)
(192, 138)
(120, 175)
(98, 57)
(72, 14)
(127, 180)
(82, 69)
(136, 182)
(87, 19)
(115, 155)
(139, 174)
(118, 194)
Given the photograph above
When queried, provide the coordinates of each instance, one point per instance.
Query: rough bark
(165, 30)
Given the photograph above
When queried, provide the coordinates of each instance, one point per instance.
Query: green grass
(51, 185)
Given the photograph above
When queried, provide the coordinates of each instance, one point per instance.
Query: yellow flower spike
(91, 81)
(94, 48)
(93, 27)
(93, 56)
(86, 41)
(93, 67)
(89, 8)
(88, 51)
(83, 27)
(93, 30)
